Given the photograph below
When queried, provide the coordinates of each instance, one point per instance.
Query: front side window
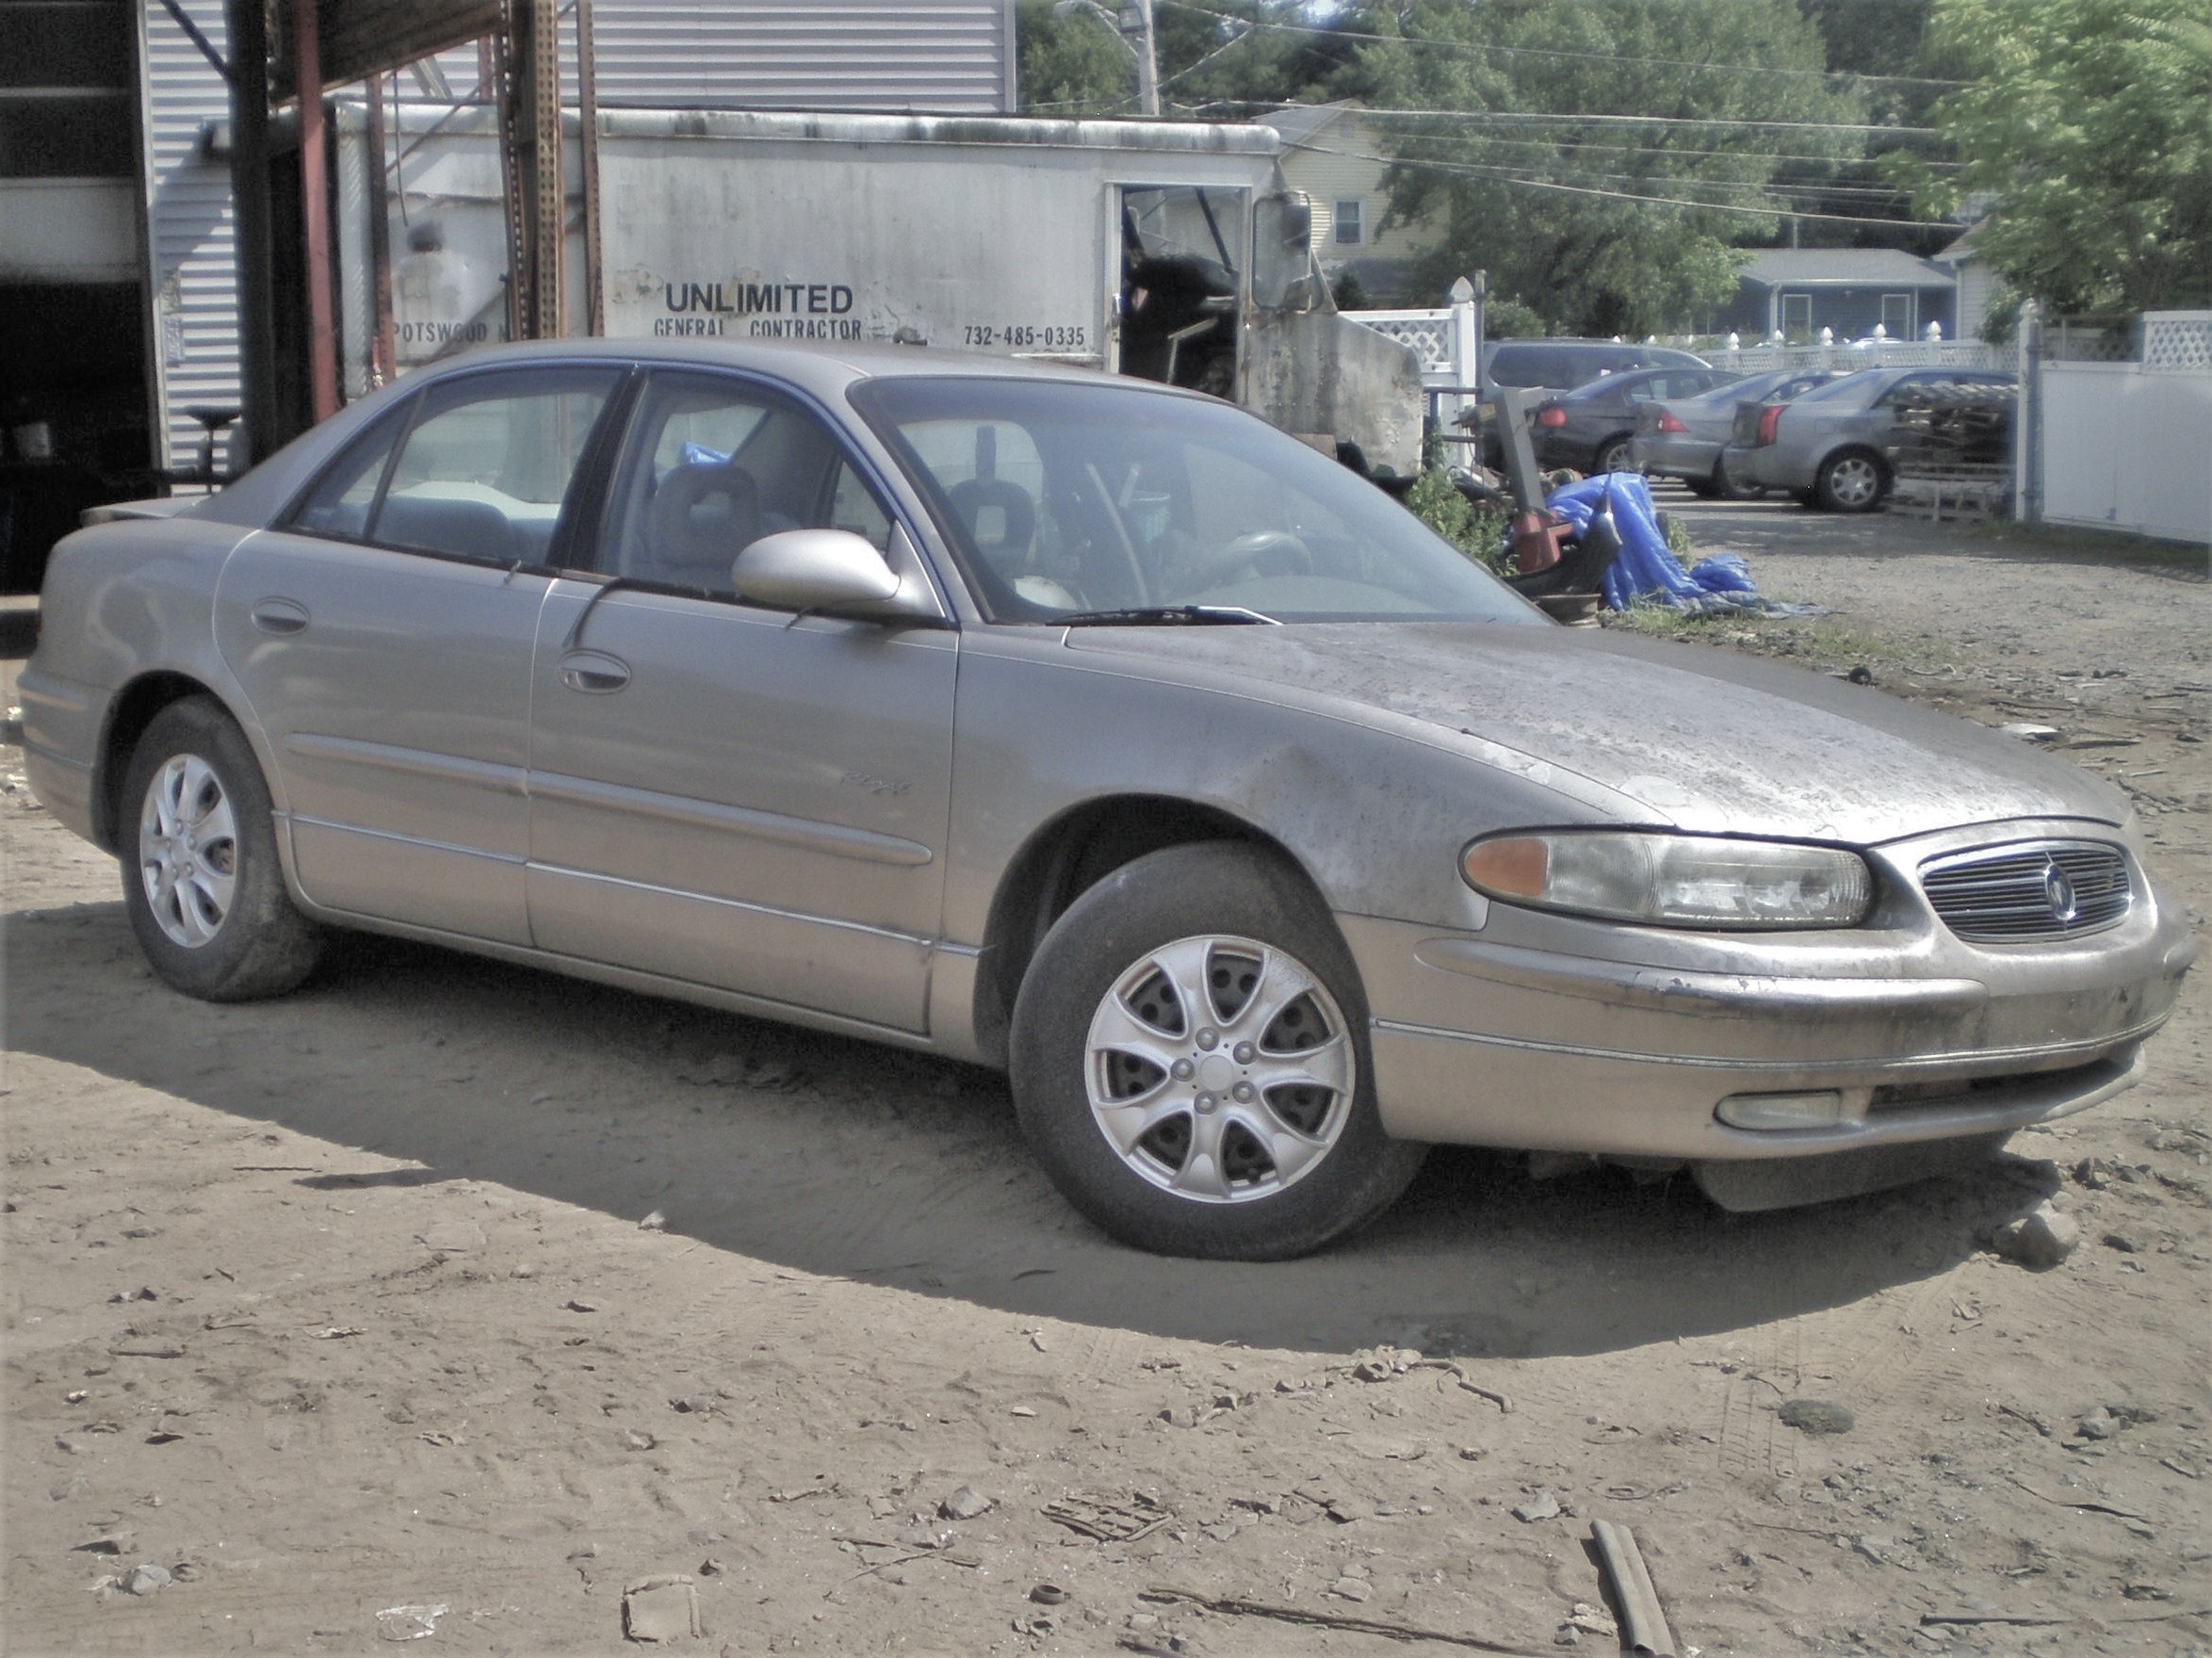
(482, 467)
(1062, 498)
(714, 463)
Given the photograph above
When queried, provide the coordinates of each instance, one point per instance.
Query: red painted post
(315, 213)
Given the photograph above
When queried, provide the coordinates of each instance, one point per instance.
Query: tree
(1212, 53)
(1070, 66)
(1600, 226)
(2088, 123)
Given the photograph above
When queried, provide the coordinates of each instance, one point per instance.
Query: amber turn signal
(1511, 866)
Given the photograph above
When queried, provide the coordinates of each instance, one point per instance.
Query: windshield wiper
(1164, 616)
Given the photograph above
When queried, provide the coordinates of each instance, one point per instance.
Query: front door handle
(594, 671)
(279, 616)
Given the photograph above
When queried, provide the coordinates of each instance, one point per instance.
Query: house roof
(1302, 122)
(1808, 268)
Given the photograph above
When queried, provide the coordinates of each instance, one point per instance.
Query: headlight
(1673, 880)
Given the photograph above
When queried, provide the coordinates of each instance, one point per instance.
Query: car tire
(1615, 455)
(1851, 480)
(202, 882)
(1192, 1024)
(1728, 489)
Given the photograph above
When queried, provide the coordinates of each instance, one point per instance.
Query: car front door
(383, 635)
(723, 794)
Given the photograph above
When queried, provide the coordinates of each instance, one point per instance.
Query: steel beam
(315, 209)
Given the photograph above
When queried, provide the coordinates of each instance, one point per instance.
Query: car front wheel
(1726, 485)
(1617, 456)
(1190, 1062)
(1853, 482)
(201, 880)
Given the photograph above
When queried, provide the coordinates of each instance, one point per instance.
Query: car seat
(704, 515)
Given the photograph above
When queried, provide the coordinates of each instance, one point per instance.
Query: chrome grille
(2024, 892)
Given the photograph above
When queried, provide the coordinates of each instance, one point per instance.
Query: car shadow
(841, 1158)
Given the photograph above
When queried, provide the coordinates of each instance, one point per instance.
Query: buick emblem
(2059, 893)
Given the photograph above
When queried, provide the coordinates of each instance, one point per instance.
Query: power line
(1517, 172)
(1581, 144)
(1475, 169)
(1512, 117)
(1487, 47)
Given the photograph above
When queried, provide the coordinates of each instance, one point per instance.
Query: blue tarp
(1646, 570)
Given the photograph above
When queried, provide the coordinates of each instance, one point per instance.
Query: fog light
(1782, 1110)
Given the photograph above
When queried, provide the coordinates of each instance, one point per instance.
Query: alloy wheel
(1220, 1068)
(187, 851)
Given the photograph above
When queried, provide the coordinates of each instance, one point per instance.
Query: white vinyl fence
(2117, 430)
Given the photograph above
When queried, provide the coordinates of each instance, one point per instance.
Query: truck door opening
(1181, 286)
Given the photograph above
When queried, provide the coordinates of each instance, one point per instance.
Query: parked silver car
(1093, 730)
(1826, 447)
(1682, 437)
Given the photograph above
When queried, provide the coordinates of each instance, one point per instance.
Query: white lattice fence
(1429, 332)
(2177, 341)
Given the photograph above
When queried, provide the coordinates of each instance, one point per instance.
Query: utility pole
(1147, 51)
(1134, 20)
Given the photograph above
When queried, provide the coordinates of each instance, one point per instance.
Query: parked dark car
(1555, 366)
(1683, 437)
(1825, 448)
(1592, 427)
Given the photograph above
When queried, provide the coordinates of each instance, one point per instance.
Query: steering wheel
(687, 538)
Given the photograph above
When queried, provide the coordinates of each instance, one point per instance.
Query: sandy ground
(338, 1309)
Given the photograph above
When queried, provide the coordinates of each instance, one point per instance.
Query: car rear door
(723, 794)
(384, 635)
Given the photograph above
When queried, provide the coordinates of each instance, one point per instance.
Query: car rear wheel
(1615, 455)
(202, 882)
(1852, 481)
(1190, 1062)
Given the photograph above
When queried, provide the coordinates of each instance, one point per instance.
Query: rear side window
(479, 469)
(1531, 366)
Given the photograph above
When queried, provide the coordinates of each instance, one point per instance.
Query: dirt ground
(341, 1311)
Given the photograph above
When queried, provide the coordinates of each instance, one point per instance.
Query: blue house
(1848, 290)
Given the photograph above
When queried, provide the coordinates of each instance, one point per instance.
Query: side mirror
(815, 570)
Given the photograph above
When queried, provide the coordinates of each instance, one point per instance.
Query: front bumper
(1557, 1033)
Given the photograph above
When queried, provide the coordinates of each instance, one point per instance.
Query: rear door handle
(279, 616)
(593, 673)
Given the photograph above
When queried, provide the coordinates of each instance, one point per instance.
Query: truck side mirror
(1282, 227)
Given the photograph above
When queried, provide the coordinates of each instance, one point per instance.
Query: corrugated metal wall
(193, 280)
(935, 56)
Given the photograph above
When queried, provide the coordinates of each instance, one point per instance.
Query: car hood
(1687, 734)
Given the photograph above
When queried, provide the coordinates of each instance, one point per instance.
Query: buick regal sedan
(1091, 730)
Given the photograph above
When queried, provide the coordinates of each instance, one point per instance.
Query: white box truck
(1172, 251)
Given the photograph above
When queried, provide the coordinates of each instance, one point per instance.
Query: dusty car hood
(1703, 738)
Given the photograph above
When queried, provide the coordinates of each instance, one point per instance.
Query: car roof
(820, 371)
(1590, 390)
(817, 367)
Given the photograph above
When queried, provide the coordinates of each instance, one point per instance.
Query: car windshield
(1065, 500)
